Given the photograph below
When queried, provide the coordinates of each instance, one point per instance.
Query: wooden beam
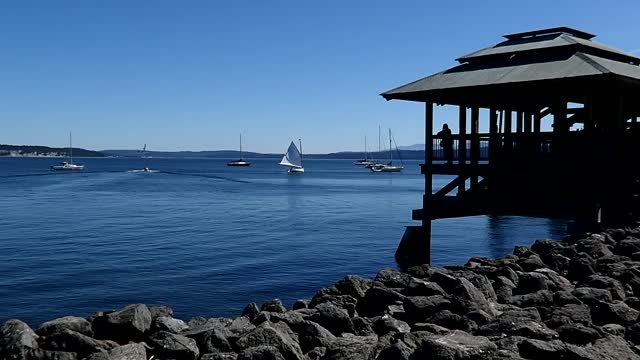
(520, 122)
(475, 142)
(428, 179)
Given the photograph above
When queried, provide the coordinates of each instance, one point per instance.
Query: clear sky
(192, 75)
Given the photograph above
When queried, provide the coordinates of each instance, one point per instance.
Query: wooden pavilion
(562, 118)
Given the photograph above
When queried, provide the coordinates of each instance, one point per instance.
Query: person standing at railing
(446, 143)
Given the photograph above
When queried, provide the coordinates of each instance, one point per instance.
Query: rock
(581, 267)
(419, 287)
(565, 297)
(555, 281)
(530, 282)
(398, 350)
(353, 285)
(161, 310)
(267, 335)
(311, 335)
(569, 314)
(517, 314)
(466, 297)
(128, 324)
(273, 305)
(613, 329)
(386, 324)
(577, 334)
(542, 298)
(558, 263)
(503, 288)
(633, 302)
(17, 338)
(522, 251)
(261, 353)
(611, 348)
(165, 323)
(362, 327)
(351, 348)
(420, 308)
(300, 304)
(220, 356)
(211, 340)
(333, 318)
(420, 271)
(316, 353)
(73, 323)
(173, 346)
(546, 247)
(251, 310)
(604, 282)
(449, 320)
(131, 351)
(590, 295)
(628, 246)
(594, 248)
(479, 317)
(456, 345)
(377, 300)
(632, 334)
(616, 312)
(346, 302)
(538, 349)
(242, 325)
(532, 263)
(391, 278)
(71, 341)
(526, 328)
(430, 328)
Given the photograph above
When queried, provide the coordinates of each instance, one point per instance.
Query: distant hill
(35, 150)
(414, 147)
(231, 154)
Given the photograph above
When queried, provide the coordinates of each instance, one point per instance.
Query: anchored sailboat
(293, 158)
(68, 166)
(365, 161)
(239, 162)
(388, 167)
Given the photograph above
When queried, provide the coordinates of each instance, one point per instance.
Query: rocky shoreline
(573, 299)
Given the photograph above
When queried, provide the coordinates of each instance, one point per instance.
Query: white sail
(292, 157)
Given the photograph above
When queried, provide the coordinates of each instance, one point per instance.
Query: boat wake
(143, 171)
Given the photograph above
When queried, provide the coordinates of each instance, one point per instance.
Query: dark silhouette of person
(446, 143)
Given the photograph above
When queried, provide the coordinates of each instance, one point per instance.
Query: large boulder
(611, 348)
(165, 323)
(262, 352)
(353, 285)
(160, 310)
(17, 338)
(71, 341)
(377, 300)
(542, 298)
(129, 324)
(455, 345)
(131, 351)
(74, 323)
(173, 346)
(569, 314)
(333, 318)
(420, 308)
(273, 305)
(267, 334)
(391, 278)
(526, 328)
(616, 312)
(352, 348)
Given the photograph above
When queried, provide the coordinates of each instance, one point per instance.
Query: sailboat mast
(240, 146)
(390, 152)
(70, 149)
(365, 148)
(300, 141)
(379, 141)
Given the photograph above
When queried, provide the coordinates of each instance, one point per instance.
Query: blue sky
(192, 75)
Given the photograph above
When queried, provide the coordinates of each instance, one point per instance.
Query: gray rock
(210, 340)
(300, 304)
(503, 287)
(420, 308)
(589, 295)
(74, 323)
(391, 278)
(41, 354)
(386, 324)
(316, 353)
(604, 282)
(420, 287)
(351, 348)
(173, 346)
(555, 281)
(542, 298)
(273, 305)
(267, 335)
(17, 338)
(616, 312)
(398, 350)
(219, 356)
(594, 248)
(346, 302)
(581, 267)
(611, 348)
(577, 334)
(530, 282)
(311, 335)
(455, 345)
(526, 328)
(538, 349)
(353, 285)
(613, 329)
(531, 263)
(165, 323)
(565, 297)
(449, 320)
(251, 310)
(333, 318)
(128, 324)
(131, 351)
(161, 310)
(466, 297)
(632, 334)
(377, 300)
(517, 314)
(71, 341)
(569, 314)
(430, 328)
(262, 352)
(362, 327)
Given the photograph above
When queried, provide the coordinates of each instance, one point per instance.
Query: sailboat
(388, 167)
(68, 166)
(293, 158)
(365, 161)
(146, 168)
(240, 162)
(375, 163)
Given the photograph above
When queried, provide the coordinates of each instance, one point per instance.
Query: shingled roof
(549, 55)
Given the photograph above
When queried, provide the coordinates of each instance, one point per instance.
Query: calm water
(207, 239)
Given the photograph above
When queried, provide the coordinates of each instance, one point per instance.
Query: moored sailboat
(389, 167)
(293, 158)
(365, 161)
(68, 165)
(240, 162)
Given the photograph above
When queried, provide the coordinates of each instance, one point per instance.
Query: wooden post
(507, 130)
(520, 122)
(462, 145)
(428, 179)
(475, 143)
(493, 135)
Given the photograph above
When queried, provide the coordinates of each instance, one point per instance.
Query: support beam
(425, 232)
(462, 144)
(475, 142)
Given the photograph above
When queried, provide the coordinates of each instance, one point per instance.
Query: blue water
(207, 239)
